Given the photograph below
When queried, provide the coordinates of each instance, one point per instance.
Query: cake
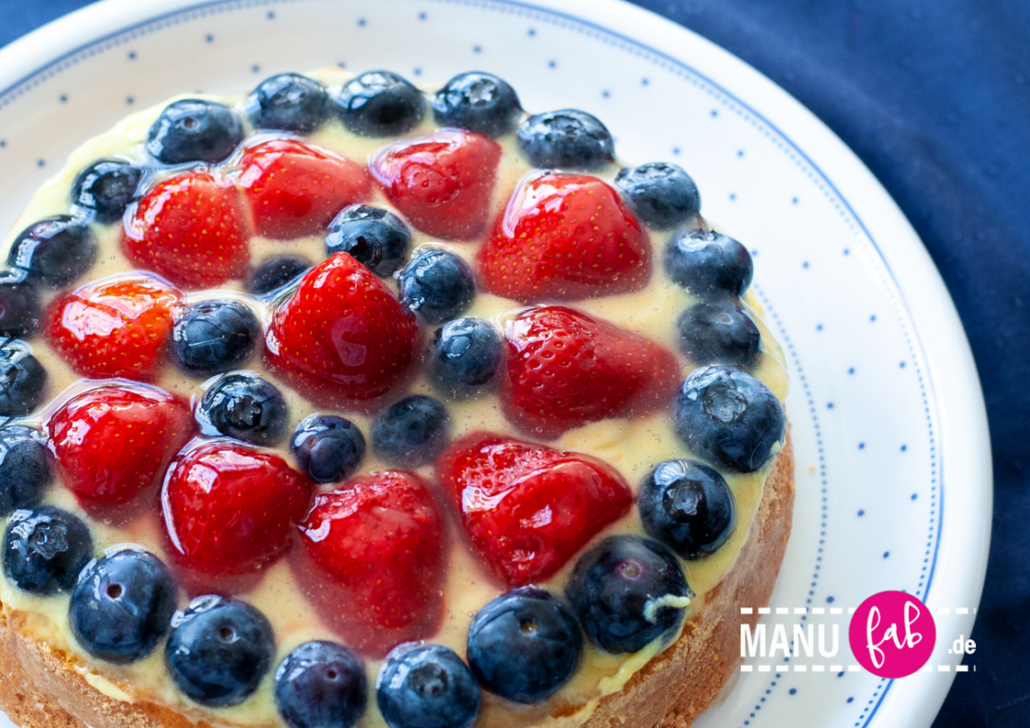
(344, 402)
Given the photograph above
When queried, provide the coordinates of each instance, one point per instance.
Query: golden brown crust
(41, 687)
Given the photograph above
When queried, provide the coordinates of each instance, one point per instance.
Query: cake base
(42, 688)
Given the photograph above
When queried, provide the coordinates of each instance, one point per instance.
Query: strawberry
(527, 509)
(114, 327)
(113, 443)
(189, 228)
(295, 189)
(374, 560)
(342, 337)
(441, 182)
(564, 237)
(229, 511)
(565, 369)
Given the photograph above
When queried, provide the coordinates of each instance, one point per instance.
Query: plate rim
(951, 373)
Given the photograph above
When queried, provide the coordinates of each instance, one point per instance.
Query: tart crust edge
(41, 687)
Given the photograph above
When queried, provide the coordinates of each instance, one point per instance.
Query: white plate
(888, 419)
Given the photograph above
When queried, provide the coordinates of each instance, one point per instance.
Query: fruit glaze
(348, 402)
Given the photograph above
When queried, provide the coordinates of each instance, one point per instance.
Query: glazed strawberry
(441, 182)
(189, 228)
(295, 189)
(527, 509)
(566, 369)
(565, 237)
(114, 327)
(229, 510)
(114, 443)
(342, 337)
(374, 560)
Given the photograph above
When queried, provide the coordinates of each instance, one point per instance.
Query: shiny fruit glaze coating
(113, 444)
(372, 560)
(229, 510)
(342, 336)
(566, 369)
(190, 228)
(442, 182)
(527, 508)
(295, 189)
(346, 283)
(564, 237)
(114, 327)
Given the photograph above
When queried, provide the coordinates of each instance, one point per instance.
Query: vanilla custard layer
(634, 447)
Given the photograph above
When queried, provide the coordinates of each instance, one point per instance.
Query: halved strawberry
(527, 509)
(229, 511)
(114, 327)
(190, 228)
(564, 237)
(342, 337)
(113, 443)
(565, 369)
(296, 189)
(375, 560)
(441, 182)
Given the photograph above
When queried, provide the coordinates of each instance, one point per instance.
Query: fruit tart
(345, 402)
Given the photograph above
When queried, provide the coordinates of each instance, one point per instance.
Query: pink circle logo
(892, 634)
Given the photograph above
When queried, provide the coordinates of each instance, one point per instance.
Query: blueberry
(566, 139)
(524, 645)
(219, 650)
(466, 356)
(214, 336)
(244, 406)
(122, 605)
(194, 130)
(687, 506)
(479, 102)
(661, 194)
(729, 418)
(19, 304)
(379, 103)
(719, 333)
(25, 470)
(327, 448)
(55, 251)
(411, 432)
(106, 188)
(22, 380)
(438, 284)
(288, 102)
(628, 591)
(376, 238)
(426, 686)
(710, 265)
(321, 685)
(276, 273)
(45, 548)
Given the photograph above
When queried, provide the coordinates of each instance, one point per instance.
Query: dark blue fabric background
(934, 96)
